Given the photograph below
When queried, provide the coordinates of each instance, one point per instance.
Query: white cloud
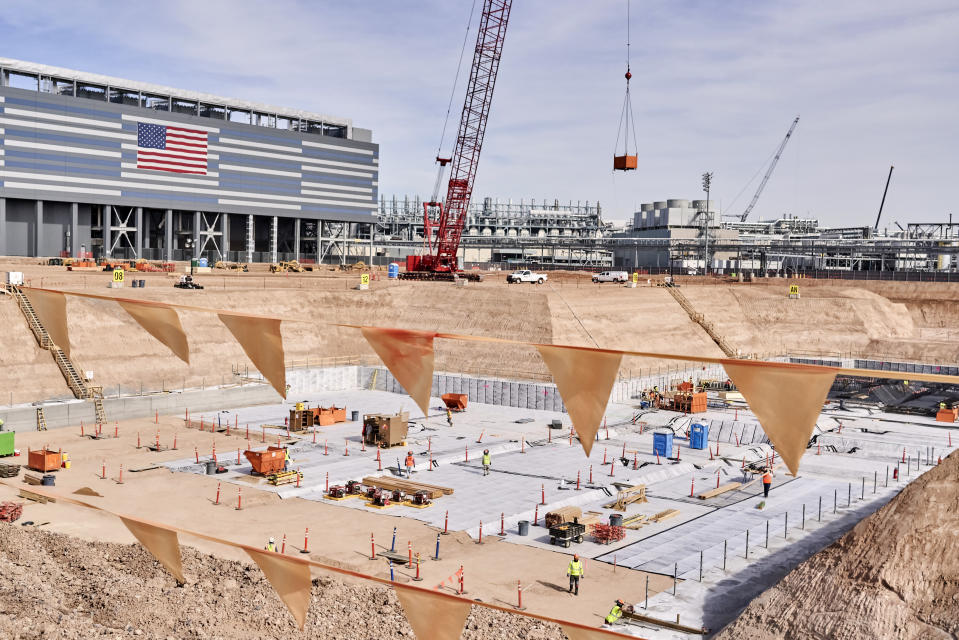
(715, 87)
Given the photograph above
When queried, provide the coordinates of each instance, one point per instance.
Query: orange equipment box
(947, 415)
(267, 462)
(455, 401)
(44, 460)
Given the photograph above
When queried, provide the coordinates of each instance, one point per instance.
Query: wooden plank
(393, 484)
(29, 478)
(718, 491)
(664, 515)
(36, 497)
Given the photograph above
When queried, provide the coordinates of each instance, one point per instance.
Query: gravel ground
(57, 586)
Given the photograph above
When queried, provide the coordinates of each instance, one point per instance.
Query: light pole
(707, 180)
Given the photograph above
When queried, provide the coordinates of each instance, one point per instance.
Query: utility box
(663, 444)
(699, 436)
(6, 443)
(382, 430)
(15, 277)
(44, 460)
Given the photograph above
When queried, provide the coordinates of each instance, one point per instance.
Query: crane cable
(627, 112)
(459, 67)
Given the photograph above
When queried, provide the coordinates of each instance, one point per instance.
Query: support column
(138, 247)
(250, 238)
(74, 230)
(39, 234)
(3, 227)
(225, 235)
(273, 232)
(296, 239)
(106, 221)
(196, 234)
(168, 224)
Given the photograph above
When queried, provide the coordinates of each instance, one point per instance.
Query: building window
(238, 115)
(59, 86)
(334, 131)
(23, 81)
(184, 106)
(283, 123)
(314, 127)
(92, 92)
(212, 111)
(125, 96)
(157, 103)
(264, 119)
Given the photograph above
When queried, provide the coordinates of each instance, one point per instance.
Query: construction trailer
(383, 430)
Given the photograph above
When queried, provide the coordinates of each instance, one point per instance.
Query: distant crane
(769, 171)
(884, 192)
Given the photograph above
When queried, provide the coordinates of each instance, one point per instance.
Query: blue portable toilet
(699, 436)
(663, 443)
(393, 271)
(203, 262)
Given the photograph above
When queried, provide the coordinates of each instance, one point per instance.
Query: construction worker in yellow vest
(615, 613)
(487, 461)
(575, 571)
(271, 545)
(286, 459)
(449, 417)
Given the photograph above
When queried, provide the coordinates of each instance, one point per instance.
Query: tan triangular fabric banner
(163, 323)
(787, 400)
(290, 579)
(409, 357)
(575, 633)
(51, 310)
(584, 379)
(263, 344)
(159, 541)
(432, 616)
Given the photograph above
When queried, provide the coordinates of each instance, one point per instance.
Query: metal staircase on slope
(68, 368)
(701, 320)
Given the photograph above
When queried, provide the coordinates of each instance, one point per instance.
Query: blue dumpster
(393, 271)
(699, 436)
(663, 444)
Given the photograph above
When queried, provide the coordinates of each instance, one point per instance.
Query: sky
(715, 87)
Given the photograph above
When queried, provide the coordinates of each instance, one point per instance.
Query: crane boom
(769, 171)
(469, 143)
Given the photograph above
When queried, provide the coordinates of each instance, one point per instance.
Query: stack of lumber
(30, 478)
(729, 486)
(664, 515)
(628, 496)
(283, 477)
(591, 517)
(563, 514)
(9, 470)
(636, 521)
(409, 486)
(36, 497)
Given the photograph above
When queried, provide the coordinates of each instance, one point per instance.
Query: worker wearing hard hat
(271, 545)
(615, 613)
(575, 571)
(767, 481)
(410, 463)
(449, 417)
(487, 461)
(286, 459)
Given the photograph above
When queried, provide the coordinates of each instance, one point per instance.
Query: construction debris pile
(895, 575)
(62, 587)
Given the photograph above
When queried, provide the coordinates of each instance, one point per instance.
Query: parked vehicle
(526, 276)
(611, 276)
(187, 282)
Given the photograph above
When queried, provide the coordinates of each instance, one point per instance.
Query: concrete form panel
(540, 400)
(522, 400)
(474, 388)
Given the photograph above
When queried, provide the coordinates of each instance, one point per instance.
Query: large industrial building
(101, 166)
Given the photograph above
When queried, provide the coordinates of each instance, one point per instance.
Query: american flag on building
(176, 149)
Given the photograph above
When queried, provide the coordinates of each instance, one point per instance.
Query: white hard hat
(271, 539)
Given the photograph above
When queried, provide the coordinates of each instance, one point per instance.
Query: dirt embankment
(895, 575)
(59, 587)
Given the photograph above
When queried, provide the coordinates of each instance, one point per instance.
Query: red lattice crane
(441, 263)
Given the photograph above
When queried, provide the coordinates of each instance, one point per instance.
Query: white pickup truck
(611, 276)
(526, 276)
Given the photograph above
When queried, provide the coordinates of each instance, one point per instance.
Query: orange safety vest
(767, 478)
(409, 461)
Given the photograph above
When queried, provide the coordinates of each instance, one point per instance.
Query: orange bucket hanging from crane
(626, 161)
